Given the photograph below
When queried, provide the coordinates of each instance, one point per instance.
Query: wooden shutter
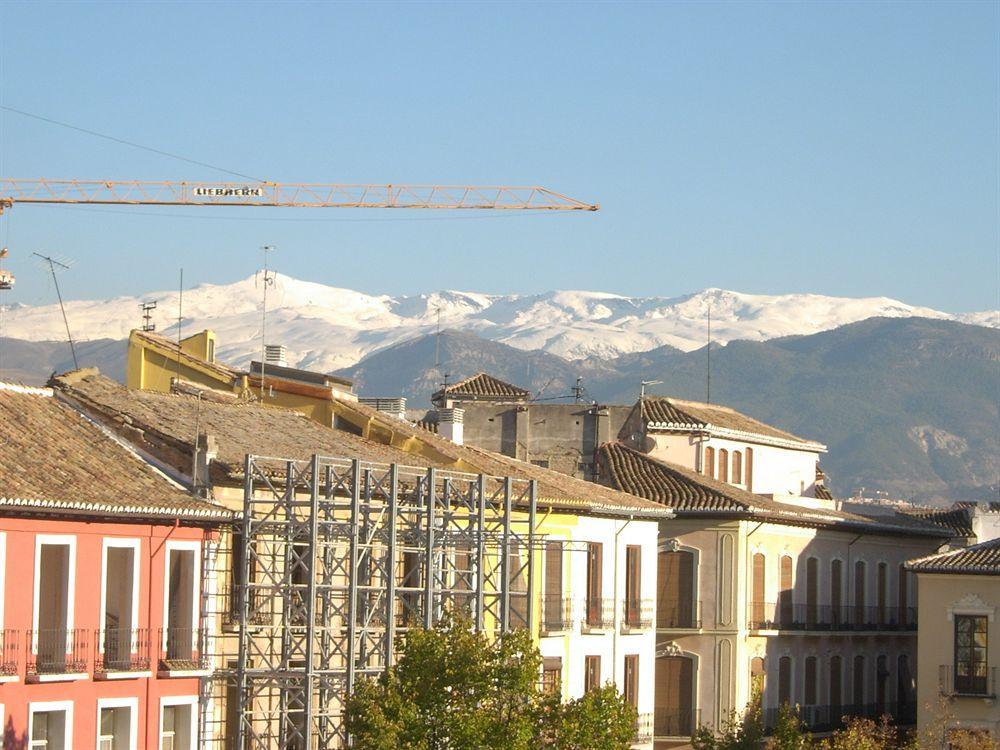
(904, 605)
(737, 467)
(836, 691)
(552, 674)
(810, 681)
(859, 681)
(757, 675)
(759, 581)
(710, 462)
(881, 679)
(812, 590)
(553, 584)
(675, 584)
(673, 715)
(595, 554)
(592, 673)
(633, 572)
(880, 589)
(723, 465)
(836, 593)
(749, 469)
(859, 592)
(632, 679)
(785, 593)
(784, 680)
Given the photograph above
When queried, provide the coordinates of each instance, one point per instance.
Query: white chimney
(395, 407)
(276, 354)
(450, 424)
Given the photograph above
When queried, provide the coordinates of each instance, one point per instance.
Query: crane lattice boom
(169, 193)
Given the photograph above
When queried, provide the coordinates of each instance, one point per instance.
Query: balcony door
(120, 583)
(675, 580)
(53, 603)
(553, 586)
(182, 603)
(674, 697)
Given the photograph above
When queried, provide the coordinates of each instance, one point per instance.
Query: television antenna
(52, 263)
(147, 315)
(643, 384)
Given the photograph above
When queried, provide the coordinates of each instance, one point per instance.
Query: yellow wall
(152, 368)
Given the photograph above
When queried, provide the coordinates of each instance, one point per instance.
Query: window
(55, 562)
(595, 589)
(836, 593)
(632, 680)
(812, 591)
(903, 594)
(50, 726)
(859, 682)
(749, 469)
(970, 654)
(809, 696)
(859, 593)
(554, 610)
(633, 583)
(836, 690)
(757, 675)
(410, 585)
(710, 462)
(117, 723)
(518, 575)
(723, 465)
(237, 563)
(904, 681)
(674, 709)
(881, 584)
(541, 462)
(552, 675)
(675, 580)
(119, 603)
(591, 673)
(177, 724)
(785, 611)
(181, 606)
(784, 680)
(881, 681)
(737, 467)
(759, 580)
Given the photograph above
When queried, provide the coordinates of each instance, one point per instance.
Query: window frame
(46, 706)
(182, 546)
(66, 540)
(132, 704)
(972, 688)
(179, 700)
(135, 545)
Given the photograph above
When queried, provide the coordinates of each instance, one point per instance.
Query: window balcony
(599, 615)
(643, 729)
(787, 615)
(10, 654)
(973, 681)
(121, 652)
(57, 654)
(557, 615)
(676, 722)
(182, 652)
(637, 614)
(685, 616)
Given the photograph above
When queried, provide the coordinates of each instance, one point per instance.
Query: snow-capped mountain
(325, 328)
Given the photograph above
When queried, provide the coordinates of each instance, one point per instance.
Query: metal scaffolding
(338, 558)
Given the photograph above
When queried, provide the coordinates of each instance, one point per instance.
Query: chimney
(450, 424)
(205, 452)
(395, 407)
(276, 354)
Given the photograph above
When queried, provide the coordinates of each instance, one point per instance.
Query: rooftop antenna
(147, 315)
(437, 340)
(52, 263)
(578, 390)
(268, 280)
(643, 384)
(6, 284)
(180, 319)
(708, 359)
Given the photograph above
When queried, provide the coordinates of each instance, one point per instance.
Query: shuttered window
(737, 467)
(632, 679)
(723, 465)
(710, 462)
(749, 469)
(809, 689)
(785, 591)
(837, 591)
(552, 674)
(633, 583)
(904, 682)
(591, 673)
(759, 581)
(595, 590)
(553, 610)
(859, 681)
(881, 681)
(757, 675)
(881, 584)
(859, 593)
(904, 604)
(675, 590)
(674, 697)
(784, 680)
(812, 591)
(836, 691)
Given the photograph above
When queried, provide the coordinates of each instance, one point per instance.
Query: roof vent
(276, 354)
(395, 407)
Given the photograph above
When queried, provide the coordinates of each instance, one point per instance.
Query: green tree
(739, 732)
(454, 689)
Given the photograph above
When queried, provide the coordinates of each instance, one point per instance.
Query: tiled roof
(693, 494)
(979, 559)
(823, 492)
(54, 460)
(482, 387)
(167, 425)
(223, 372)
(672, 413)
(957, 519)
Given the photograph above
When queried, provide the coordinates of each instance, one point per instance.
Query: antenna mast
(180, 318)
(437, 340)
(708, 359)
(52, 269)
(268, 280)
(147, 315)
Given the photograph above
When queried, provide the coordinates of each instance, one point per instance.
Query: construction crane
(171, 193)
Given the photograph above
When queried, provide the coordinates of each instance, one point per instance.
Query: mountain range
(905, 398)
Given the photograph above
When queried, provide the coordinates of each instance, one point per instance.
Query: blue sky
(838, 148)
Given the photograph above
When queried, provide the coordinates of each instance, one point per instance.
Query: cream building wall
(943, 596)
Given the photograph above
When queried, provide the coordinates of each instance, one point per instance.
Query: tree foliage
(455, 689)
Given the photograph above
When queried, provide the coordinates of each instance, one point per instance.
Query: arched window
(757, 607)
(785, 609)
(904, 683)
(675, 606)
(860, 617)
(837, 615)
(784, 680)
(858, 697)
(881, 681)
(674, 697)
(737, 467)
(710, 462)
(812, 591)
(723, 465)
(904, 617)
(757, 676)
(749, 469)
(809, 683)
(881, 590)
(836, 691)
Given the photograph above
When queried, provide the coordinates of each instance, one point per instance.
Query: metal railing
(676, 722)
(121, 650)
(182, 649)
(557, 614)
(599, 614)
(681, 616)
(983, 684)
(10, 652)
(784, 615)
(828, 718)
(637, 614)
(643, 729)
(54, 651)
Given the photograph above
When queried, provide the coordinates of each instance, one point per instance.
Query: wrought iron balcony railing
(599, 614)
(557, 614)
(121, 650)
(643, 729)
(676, 722)
(681, 616)
(10, 652)
(57, 651)
(958, 681)
(788, 615)
(637, 614)
(182, 650)
(827, 718)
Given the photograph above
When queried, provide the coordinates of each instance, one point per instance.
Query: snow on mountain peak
(326, 327)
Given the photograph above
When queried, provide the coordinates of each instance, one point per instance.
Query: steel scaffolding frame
(341, 557)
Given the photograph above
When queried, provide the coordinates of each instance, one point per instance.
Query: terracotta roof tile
(53, 459)
(957, 519)
(481, 387)
(979, 559)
